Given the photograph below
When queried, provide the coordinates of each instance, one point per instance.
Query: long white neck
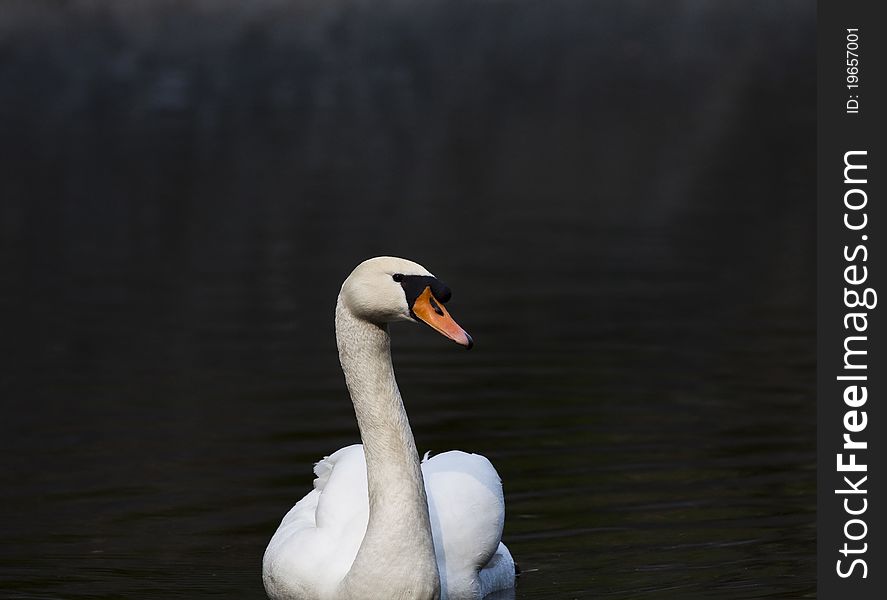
(397, 552)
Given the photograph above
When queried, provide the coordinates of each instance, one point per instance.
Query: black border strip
(843, 129)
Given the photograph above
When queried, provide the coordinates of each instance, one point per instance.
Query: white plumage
(319, 537)
(379, 525)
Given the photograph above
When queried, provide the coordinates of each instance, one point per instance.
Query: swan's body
(380, 525)
(320, 536)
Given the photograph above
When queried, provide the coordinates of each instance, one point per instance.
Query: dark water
(619, 194)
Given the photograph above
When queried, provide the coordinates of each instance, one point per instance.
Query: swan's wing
(467, 512)
(319, 537)
(332, 501)
(341, 480)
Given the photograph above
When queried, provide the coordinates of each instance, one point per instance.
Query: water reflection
(633, 258)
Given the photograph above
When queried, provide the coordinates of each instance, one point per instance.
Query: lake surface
(620, 197)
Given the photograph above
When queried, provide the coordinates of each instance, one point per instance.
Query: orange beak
(428, 309)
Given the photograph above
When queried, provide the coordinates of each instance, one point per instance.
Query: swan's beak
(428, 309)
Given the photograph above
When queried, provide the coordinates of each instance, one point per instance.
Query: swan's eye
(397, 277)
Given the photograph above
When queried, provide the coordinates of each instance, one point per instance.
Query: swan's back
(318, 539)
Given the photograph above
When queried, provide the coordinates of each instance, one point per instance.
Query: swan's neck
(398, 548)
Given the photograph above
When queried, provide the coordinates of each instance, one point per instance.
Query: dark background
(620, 195)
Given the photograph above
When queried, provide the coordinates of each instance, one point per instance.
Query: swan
(380, 524)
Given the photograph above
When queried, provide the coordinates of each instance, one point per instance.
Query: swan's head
(386, 289)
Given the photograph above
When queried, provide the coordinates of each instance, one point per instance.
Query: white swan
(379, 525)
